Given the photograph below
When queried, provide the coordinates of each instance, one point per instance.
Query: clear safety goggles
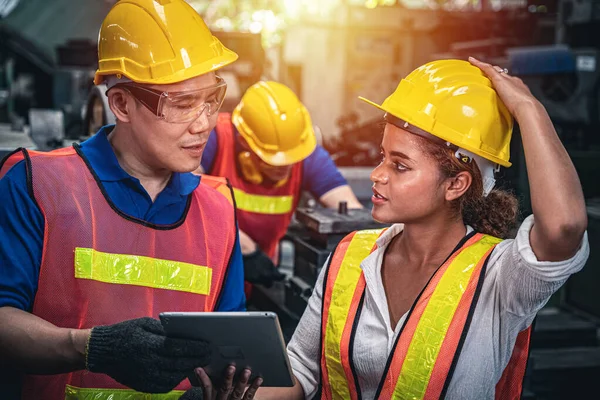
(179, 107)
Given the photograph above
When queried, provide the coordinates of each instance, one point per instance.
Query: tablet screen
(245, 339)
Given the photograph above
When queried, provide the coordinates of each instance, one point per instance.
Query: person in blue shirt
(97, 239)
(22, 222)
(267, 150)
(320, 174)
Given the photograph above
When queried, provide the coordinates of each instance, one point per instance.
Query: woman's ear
(458, 185)
(120, 103)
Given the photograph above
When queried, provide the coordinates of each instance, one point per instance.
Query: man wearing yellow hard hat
(97, 239)
(268, 151)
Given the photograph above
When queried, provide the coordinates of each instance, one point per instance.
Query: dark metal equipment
(47, 128)
(323, 230)
(564, 361)
(581, 290)
(565, 80)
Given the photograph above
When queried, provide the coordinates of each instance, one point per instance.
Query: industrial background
(329, 52)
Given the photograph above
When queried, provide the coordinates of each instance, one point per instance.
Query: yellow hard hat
(157, 42)
(275, 124)
(453, 100)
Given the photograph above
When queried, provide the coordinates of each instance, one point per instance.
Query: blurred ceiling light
(223, 24)
(256, 27)
(371, 3)
(295, 9)
(292, 7)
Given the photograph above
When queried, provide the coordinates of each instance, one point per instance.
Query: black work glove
(137, 354)
(259, 269)
(195, 393)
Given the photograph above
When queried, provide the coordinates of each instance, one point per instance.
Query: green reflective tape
(124, 269)
(75, 393)
(263, 204)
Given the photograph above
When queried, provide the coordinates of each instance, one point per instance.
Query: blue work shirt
(22, 223)
(319, 173)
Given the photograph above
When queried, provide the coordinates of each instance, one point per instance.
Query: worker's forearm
(34, 346)
(248, 245)
(556, 195)
(332, 198)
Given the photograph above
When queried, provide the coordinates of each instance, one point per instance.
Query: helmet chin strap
(249, 169)
(486, 167)
(251, 172)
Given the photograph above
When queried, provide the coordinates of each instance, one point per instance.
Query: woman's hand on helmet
(514, 93)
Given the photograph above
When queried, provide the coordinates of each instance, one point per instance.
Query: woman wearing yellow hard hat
(440, 304)
(99, 238)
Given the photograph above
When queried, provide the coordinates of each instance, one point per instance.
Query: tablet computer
(245, 339)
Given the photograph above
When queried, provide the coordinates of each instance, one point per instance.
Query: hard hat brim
(211, 65)
(372, 103)
(290, 157)
(474, 150)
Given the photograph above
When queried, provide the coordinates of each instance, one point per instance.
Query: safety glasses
(179, 107)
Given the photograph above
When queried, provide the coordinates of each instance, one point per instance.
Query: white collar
(395, 229)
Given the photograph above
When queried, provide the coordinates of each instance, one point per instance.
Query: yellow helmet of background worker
(275, 124)
(157, 42)
(454, 101)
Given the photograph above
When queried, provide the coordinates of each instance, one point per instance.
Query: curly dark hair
(495, 214)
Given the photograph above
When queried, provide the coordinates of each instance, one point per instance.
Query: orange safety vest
(100, 266)
(264, 213)
(422, 361)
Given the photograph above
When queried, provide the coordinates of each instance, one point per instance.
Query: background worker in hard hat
(99, 238)
(441, 303)
(267, 149)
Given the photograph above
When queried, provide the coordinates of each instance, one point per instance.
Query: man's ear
(120, 103)
(458, 185)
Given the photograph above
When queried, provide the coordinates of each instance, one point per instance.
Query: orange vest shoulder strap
(11, 159)
(224, 124)
(221, 185)
(21, 154)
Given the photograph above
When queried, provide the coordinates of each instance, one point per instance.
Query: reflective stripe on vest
(124, 269)
(346, 289)
(263, 204)
(423, 354)
(75, 393)
(453, 285)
